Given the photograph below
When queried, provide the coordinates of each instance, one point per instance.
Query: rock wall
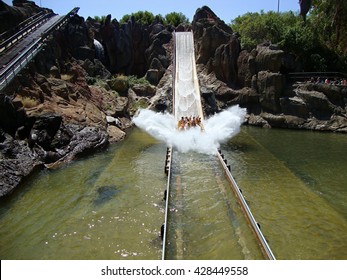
(257, 81)
(11, 16)
(133, 48)
(216, 45)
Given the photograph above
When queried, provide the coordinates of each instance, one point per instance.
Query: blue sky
(225, 9)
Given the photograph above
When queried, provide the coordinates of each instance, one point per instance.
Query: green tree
(99, 19)
(329, 21)
(304, 43)
(320, 43)
(257, 28)
(176, 19)
(144, 17)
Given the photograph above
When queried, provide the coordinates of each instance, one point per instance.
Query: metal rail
(60, 23)
(246, 210)
(168, 162)
(9, 33)
(8, 43)
(308, 75)
(17, 64)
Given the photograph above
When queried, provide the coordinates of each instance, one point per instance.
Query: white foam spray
(218, 129)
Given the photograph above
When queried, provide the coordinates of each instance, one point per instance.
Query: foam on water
(218, 129)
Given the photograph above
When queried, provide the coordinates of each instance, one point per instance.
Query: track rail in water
(167, 170)
(246, 210)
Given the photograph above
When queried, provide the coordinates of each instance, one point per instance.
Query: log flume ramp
(187, 102)
(18, 49)
(186, 85)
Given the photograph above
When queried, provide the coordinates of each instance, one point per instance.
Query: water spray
(218, 129)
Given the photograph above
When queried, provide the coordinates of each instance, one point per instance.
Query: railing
(9, 42)
(299, 76)
(15, 66)
(19, 63)
(9, 33)
(244, 206)
(60, 23)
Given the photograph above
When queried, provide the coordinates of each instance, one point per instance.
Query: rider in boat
(198, 122)
(193, 122)
(181, 123)
(187, 122)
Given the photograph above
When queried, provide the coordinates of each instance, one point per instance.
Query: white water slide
(187, 100)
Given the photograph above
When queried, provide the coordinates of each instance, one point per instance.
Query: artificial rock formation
(216, 45)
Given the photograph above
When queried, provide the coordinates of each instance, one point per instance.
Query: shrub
(29, 102)
(66, 77)
(133, 80)
(90, 80)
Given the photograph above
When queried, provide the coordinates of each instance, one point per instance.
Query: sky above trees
(225, 9)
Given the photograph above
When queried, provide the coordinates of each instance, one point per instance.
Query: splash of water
(218, 129)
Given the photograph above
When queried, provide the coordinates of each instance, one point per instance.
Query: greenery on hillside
(176, 19)
(99, 19)
(320, 43)
(146, 17)
(329, 20)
